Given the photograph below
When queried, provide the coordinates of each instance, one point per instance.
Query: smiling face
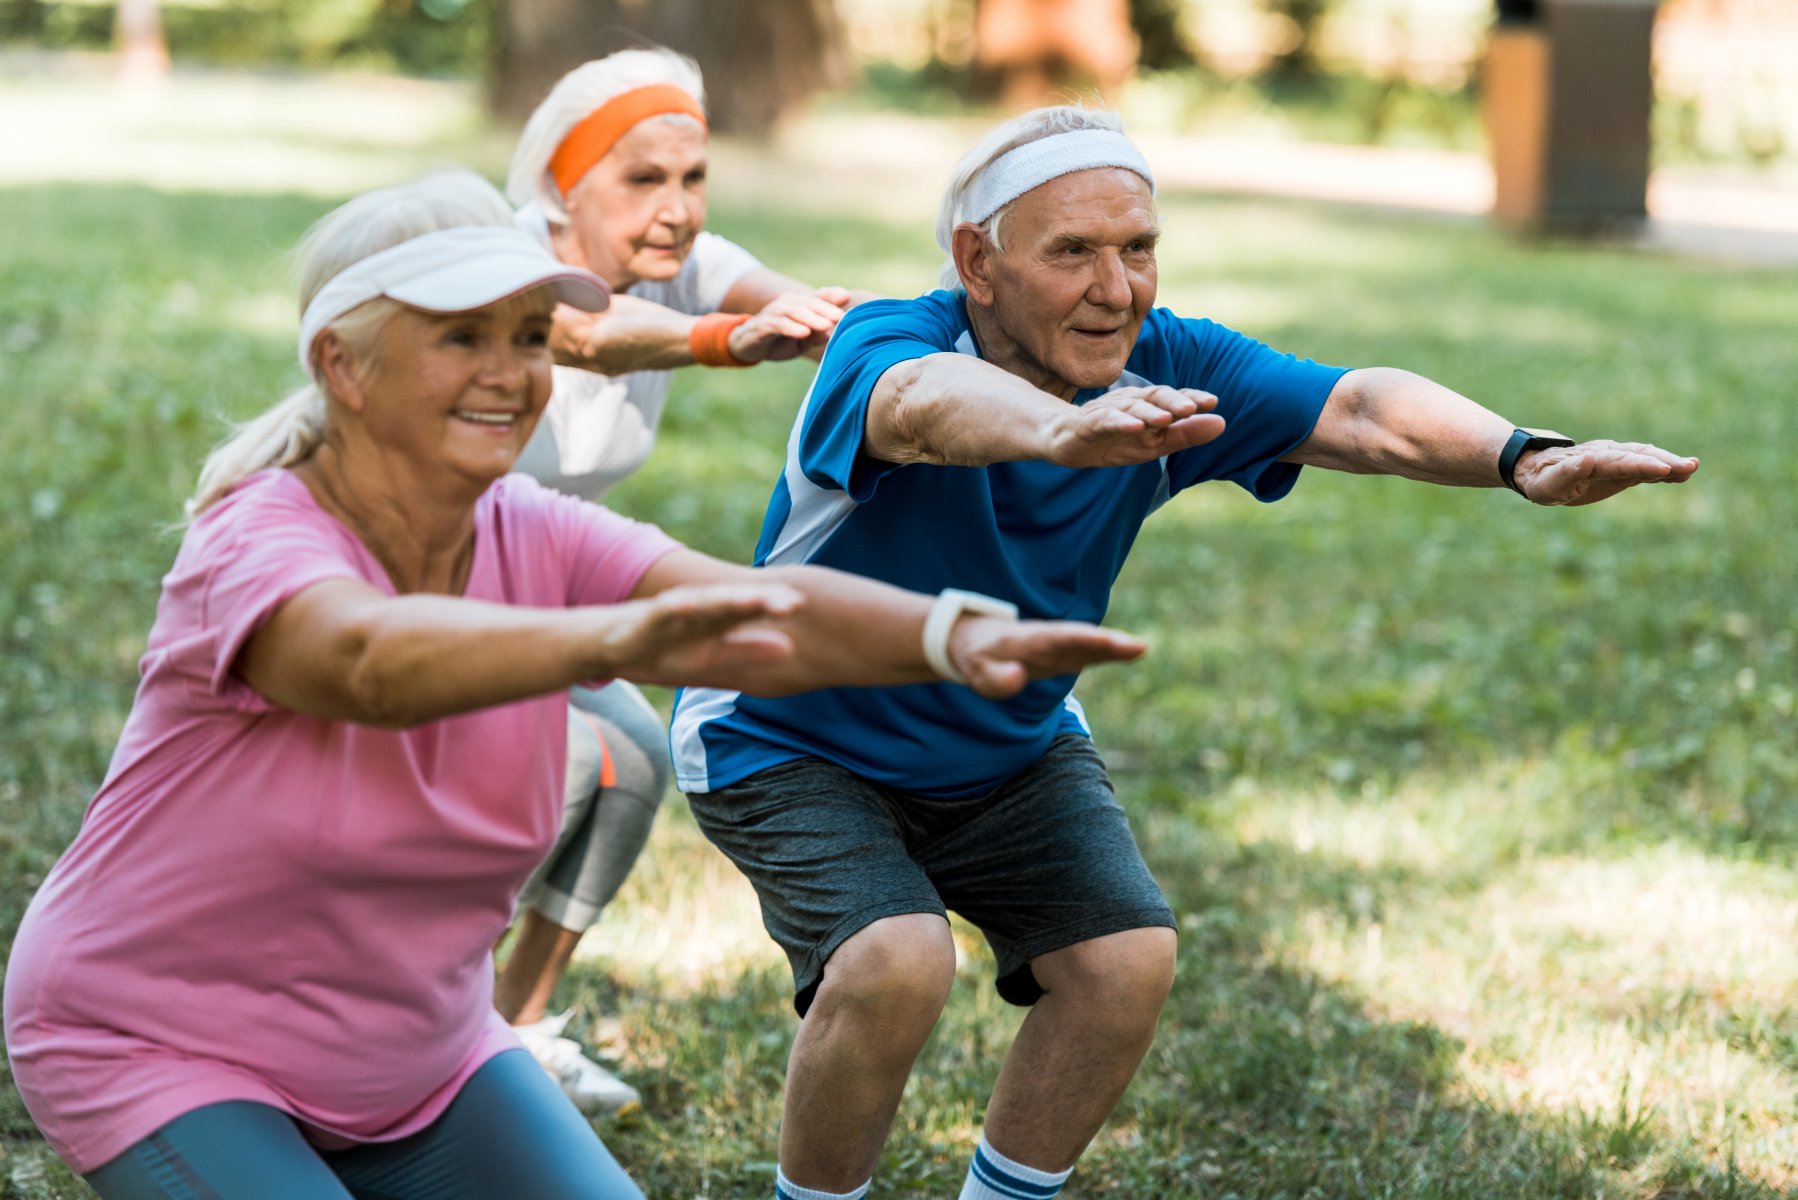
(1063, 304)
(461, 392)
(635, 214)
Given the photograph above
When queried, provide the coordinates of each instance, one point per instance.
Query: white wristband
(950, 604)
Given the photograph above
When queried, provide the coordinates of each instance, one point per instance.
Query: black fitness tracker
(1522, 441)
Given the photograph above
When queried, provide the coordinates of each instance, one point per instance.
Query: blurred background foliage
(417, 37)
(1374, 71)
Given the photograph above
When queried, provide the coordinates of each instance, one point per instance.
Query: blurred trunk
(762, 58)
(1160, 46)
(1300, 58)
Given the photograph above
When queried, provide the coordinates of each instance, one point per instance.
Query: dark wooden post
(1569, 97)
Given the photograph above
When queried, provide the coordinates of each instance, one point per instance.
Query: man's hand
(1594, 471)
(1132, 425)
(998, 657)
(789, 325)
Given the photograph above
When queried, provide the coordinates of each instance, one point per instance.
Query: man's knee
(1122, 978)
(897, 971)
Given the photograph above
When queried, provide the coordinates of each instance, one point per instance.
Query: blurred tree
(1300, 57)
(21, 20)
(1157, 26)
(761, 58)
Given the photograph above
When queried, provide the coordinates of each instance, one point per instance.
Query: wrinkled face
(635, 214)
(1077, 276)
(462, 391)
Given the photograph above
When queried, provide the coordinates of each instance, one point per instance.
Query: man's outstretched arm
(1383, 421)
(956, 410)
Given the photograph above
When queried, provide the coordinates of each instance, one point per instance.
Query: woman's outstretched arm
(857, 632)
(345, 651)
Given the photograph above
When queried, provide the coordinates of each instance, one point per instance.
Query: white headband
(1036, 163)
(451, 270)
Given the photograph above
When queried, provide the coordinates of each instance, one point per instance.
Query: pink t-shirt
(274, 907)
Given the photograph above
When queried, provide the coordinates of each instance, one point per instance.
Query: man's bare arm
(957, 410)
(1383, 421)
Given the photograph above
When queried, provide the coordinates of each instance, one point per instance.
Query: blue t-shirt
(1050, 539)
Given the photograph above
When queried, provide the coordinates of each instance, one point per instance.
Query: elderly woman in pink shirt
(263, 970)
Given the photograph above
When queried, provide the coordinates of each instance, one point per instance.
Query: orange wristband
(710, 340)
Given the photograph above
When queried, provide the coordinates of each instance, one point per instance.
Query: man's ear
(973, 253)
(337, 371)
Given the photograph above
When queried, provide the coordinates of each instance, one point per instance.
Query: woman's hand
(858, 632)
(998, 657)
(789, 325)
(697, 636)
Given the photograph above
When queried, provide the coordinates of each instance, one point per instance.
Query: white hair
(291, 430)
(1019, 131)
(573, 99)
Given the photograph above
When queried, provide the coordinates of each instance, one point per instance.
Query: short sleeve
(872, 339)
(712, 269)
(603, 554)
(1269, 402)
(252, 560)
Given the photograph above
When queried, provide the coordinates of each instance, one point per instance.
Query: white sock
(992, 1176)
(786, 1189)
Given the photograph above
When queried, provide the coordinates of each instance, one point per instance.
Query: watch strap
(951, 604)
(1521, 442)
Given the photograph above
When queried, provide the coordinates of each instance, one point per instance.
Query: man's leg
(1080, 1046)
(881, 995)
(868, 940)
(1049, 870)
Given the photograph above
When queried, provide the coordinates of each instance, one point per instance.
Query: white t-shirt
(599, 429)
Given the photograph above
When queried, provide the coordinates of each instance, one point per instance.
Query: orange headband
(599, 130)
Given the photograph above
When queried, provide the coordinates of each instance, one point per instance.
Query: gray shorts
(1041, 862)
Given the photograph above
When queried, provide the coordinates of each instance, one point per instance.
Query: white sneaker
(589, 1085)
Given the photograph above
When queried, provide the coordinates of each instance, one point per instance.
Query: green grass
(1479, 818)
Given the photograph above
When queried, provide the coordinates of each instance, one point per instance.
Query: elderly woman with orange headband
(610, 175)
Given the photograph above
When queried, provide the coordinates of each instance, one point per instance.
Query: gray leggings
(603, 828)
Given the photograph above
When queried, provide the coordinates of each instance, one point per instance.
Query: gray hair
(1019, 131)
(291, 430)
(578, 94)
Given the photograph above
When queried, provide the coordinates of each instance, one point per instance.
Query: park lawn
(1479, 818)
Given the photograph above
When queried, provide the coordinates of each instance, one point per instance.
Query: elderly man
(1011, 435)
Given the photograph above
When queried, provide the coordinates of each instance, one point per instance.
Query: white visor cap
(450, 271)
